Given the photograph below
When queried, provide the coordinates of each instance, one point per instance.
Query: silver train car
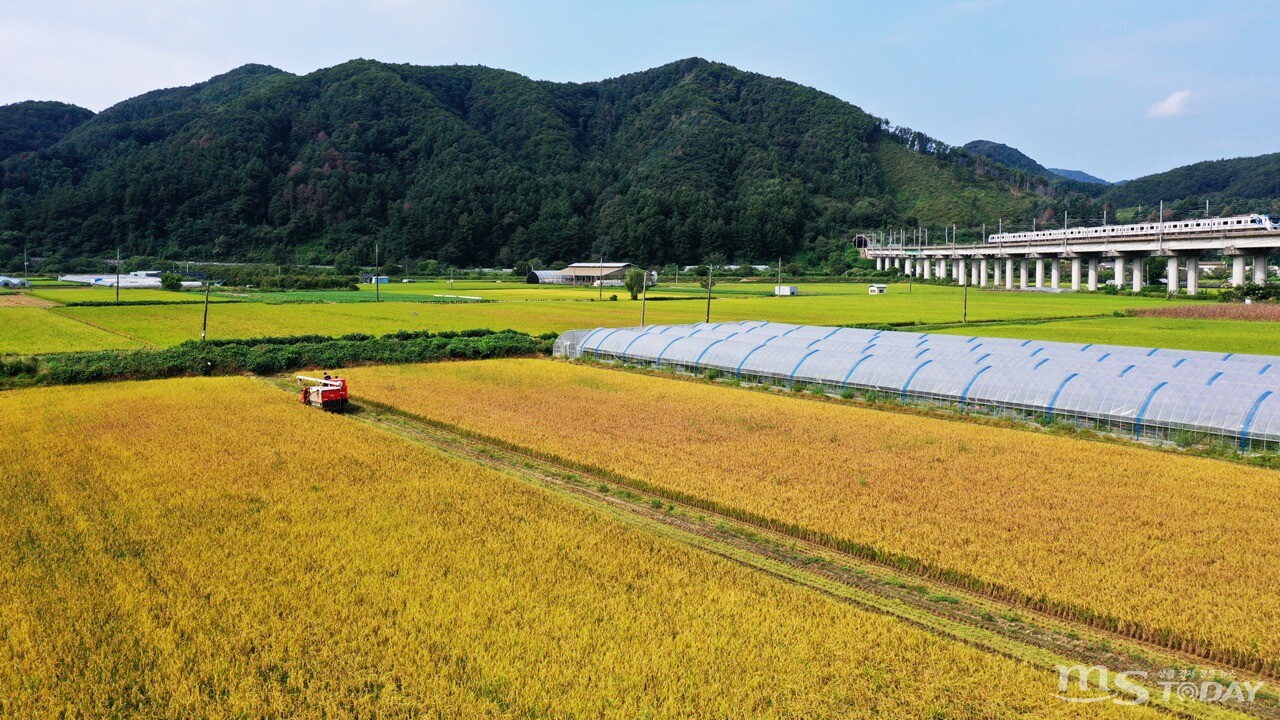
(1174, 228)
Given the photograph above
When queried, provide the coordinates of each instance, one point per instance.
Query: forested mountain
(1251, 178)
(34, 125)
(1018, 160)
(1007, 156)
(1079, 176)
(475, 166)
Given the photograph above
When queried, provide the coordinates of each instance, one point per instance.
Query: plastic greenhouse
(1148, 392)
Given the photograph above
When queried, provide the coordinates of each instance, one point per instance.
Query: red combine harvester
(326, 393)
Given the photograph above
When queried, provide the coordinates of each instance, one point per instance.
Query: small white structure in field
(786, 290)
(878, 290)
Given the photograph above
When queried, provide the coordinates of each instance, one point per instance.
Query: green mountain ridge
(34, 125)
(469, 165)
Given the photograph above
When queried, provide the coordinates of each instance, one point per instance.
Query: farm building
(12, 282)
(591, 273)
(547, 277)
(1149, 392)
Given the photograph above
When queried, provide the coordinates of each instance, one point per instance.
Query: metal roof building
(1146, 391)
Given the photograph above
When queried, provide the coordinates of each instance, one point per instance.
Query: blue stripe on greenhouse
(1227, 356)
(907, 385)
(1037, 365)
(601, 342)
(633, 342)
(796, 369)
(1037, 352)
(698, 362)
(738, 372)
(873, 337)
(1127, 368)
(1086, 347)
(791, 330)
(1054, 400)
(1215, 377)
(1248, 419)
(1104, 357)
(588, 337)
(1153, 352)
(864, 350)
(771, 339)
(1142, 411)
(1026, 343)
(917, 357)
(665, 349)
(923, 340)
(975, 337)
(975, 347)
(984, 357)
(964, 396)
(864, 358)
(1264, 369)
(1180, 361)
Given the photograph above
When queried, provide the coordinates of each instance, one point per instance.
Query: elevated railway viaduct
(1022, 263)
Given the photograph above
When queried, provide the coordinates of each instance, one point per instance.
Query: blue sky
(1113, 88)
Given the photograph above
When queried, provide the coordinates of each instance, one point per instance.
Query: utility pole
(644, 296)
(377, 292)
(779, 271)
(600, 276)
(204, 326)
(118, 276)
(1206, 207)
(964, 313)
(710, 271)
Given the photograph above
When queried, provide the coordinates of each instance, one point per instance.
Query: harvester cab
(327, 393)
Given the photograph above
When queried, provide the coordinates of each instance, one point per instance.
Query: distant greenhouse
(1147, 391)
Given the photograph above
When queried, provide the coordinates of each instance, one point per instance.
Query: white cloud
(1172, 106)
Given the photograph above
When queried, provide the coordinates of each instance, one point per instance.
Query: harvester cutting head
(327, 393)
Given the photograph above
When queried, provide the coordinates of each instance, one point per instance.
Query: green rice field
(537, 309)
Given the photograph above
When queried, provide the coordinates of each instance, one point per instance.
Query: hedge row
(264, 356)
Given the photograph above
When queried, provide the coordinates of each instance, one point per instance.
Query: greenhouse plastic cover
(1222, 393)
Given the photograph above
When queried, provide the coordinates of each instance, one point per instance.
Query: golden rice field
(208, 547)
(1179, 550)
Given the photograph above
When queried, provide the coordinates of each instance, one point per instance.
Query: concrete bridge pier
(1260, 270)
(1022, 274)
(927, 265)
(998, 272)
(1039, 273)
(1120, 276)
(962, 274)
(974, 267)
(1055, 273)
(1093, 275)
(1008, 273)
(1137, 274)
(1193, 276)
(1075, 274)
(1237, 270)
(1171, 276)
